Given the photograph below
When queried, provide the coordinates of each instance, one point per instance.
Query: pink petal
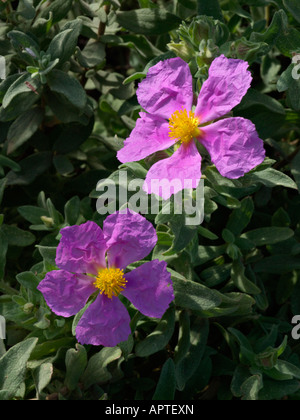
(81, 249)
(66, 293)
(167, 88)
(106, 322)
(169, 176)
(150, 135)
(234, 146)
(224, 89)
(130, 238)
(150, 288)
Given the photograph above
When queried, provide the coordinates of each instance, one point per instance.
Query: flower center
(183, 126)
(110, 281)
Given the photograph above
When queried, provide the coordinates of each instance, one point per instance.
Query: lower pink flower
(94, 260)
(170, 119)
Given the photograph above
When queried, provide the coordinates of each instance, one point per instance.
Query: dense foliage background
(68, 102)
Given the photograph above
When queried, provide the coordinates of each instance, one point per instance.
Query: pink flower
(93, 261)
(167, 97)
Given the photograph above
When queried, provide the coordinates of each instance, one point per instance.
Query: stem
(267, 14)
(102, 25)
(7, 289)
(2, 348)
(286, 160)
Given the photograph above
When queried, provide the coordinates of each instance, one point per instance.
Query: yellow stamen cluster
(183, 127)
(110, 281)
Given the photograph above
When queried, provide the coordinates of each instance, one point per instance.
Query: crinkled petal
(167, 88)
(106, 322)
(224, 89)
(81, 249)
(150, 288)
(150, 135)
(181, 171)
(234, 146)
(66, 293)
(130, 238)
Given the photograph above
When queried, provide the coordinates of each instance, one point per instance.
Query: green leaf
(278, 264)
(276, 390)
(246, 351)
(68, 113)
(216, 274)
(208, 253)
(26, 9)
(246, 50)
(2, 188)
(20, 41)
(241, 374)
(241, 217)
(274, 31)
(97, 371)
(183, 336)
(72, 211)
(209, 8)
(206, 233)
(159, 338)
(165, 389)
(13, 366)
(148, 21)
(31, 167)
(92, 55)
(187, 365)
(192, 295)
(133, 77)
(291, 84)
(296, 169)
(293, 7)
(255, 98)
(3, 252)
(23, 128)
(19, 87)
(5, 161)
(287, 368)
(286, 79)
(48, 253)
(68, 87)
(51, 346)
(42, 376)
(268, 235)
(268, 340)
(241, 281)
(72, 136)
(234, 303)
(281, 218)
(271, 178)
(289, 43)
(251, 387)
(33, 214)
(183, 234)
(63, 45)
(286, 38)
(268, 358)
(19, 104)
(76, 363)
(63, 165)
(4, 395)
(16, 236)
(58, 10)
(28, 280)
(228, 236)
(115, 3)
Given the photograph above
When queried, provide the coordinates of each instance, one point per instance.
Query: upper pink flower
(167, 97)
